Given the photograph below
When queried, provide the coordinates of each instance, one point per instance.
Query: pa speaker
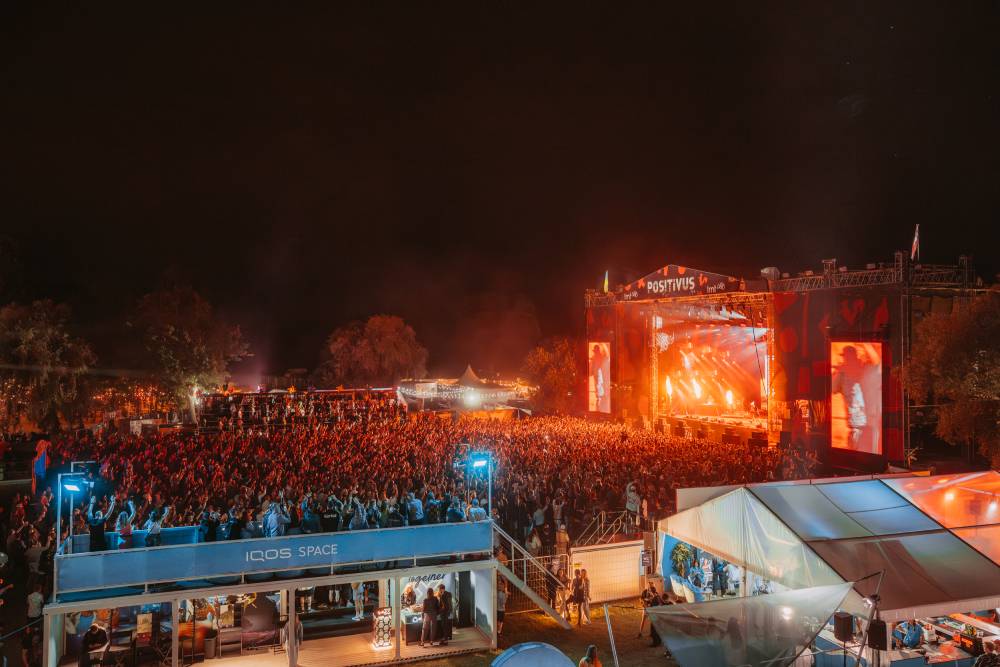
(843, 626)
(878, 636)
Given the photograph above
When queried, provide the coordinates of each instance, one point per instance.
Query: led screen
(856, 396)
(599, 377)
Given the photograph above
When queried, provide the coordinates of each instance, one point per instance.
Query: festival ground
(537, 627)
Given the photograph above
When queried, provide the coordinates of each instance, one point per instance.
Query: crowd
(238, 411)
(376, 468)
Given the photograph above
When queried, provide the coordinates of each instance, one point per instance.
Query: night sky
(464, 168)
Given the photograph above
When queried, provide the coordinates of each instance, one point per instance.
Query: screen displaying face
(856, 396)
(599, 377)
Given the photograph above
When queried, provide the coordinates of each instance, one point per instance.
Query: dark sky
(459, 166)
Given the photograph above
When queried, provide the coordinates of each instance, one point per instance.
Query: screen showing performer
(599, 377)
(856, 396)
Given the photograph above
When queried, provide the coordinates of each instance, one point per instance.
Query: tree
(955, 363)
(43, 365)
(552, 367)
(380, 351)
(188, 345)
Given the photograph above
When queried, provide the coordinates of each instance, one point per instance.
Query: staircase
(605, 528)
(528, 574)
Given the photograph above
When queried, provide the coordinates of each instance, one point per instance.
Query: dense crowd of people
(376, 467)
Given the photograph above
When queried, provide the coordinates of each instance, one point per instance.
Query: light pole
(479, 460)
(73, 487)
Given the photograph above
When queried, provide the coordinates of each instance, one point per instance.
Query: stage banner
(673, 280)
(132, 567)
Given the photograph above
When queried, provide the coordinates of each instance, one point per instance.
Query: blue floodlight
(479, 463)
(71, 486)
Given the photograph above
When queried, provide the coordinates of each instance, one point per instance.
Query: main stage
(811, 360)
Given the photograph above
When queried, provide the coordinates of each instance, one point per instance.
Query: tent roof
(937, 537)
(469, 378)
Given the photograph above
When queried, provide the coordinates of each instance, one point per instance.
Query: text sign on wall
(131, 567)
(673, 280)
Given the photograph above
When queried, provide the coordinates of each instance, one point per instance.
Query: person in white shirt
(35, 602)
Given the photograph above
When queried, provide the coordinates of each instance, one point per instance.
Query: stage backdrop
(813, 331)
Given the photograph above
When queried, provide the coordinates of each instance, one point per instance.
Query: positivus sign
(675, 280)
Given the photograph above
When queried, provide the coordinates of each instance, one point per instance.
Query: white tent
(937, 538)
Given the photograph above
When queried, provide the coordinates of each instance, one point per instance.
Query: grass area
(520, 628)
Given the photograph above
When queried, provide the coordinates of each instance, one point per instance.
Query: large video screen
(599, 377)
(713, 370)
(856, 396)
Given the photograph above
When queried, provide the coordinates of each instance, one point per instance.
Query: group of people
(382, 470)
(238, 411)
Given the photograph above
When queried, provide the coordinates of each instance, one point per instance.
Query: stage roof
(937, 537)
(676, 281)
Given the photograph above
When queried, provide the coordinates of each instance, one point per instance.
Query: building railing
(533, 572)
(605, 526)
(289, 556)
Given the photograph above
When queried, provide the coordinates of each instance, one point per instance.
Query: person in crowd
(96, 520)
(415, 510)
(35, 602)
(123, 526)
(476, 513)
(208, 530)
(590, 658)
(276, 518)
(446, 604)
(153, 526)
(432, 608)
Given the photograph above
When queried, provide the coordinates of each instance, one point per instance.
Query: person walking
(585, 603)
(576, 596)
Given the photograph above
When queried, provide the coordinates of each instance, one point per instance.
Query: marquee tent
(937, 538)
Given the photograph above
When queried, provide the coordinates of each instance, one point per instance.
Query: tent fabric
(937, 538)
(862, 496)
(809, 513)
(920, 569)
(954, 501)
(764, 630)
(532, 654)
(742, 530)
(984, 539)
(895, 520)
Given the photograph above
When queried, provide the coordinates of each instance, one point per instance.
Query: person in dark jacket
(445, 601)
(428, 633)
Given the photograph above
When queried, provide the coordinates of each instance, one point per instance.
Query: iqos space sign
(287, 553)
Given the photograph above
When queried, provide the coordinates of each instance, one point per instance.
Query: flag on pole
(915, 248)
(605, 282)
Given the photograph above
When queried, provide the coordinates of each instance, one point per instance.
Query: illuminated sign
(674, 280)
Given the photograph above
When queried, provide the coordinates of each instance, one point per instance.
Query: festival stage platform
(727, 429)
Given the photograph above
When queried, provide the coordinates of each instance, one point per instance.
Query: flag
(605, 282)
(40, 464)
(915, 248)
